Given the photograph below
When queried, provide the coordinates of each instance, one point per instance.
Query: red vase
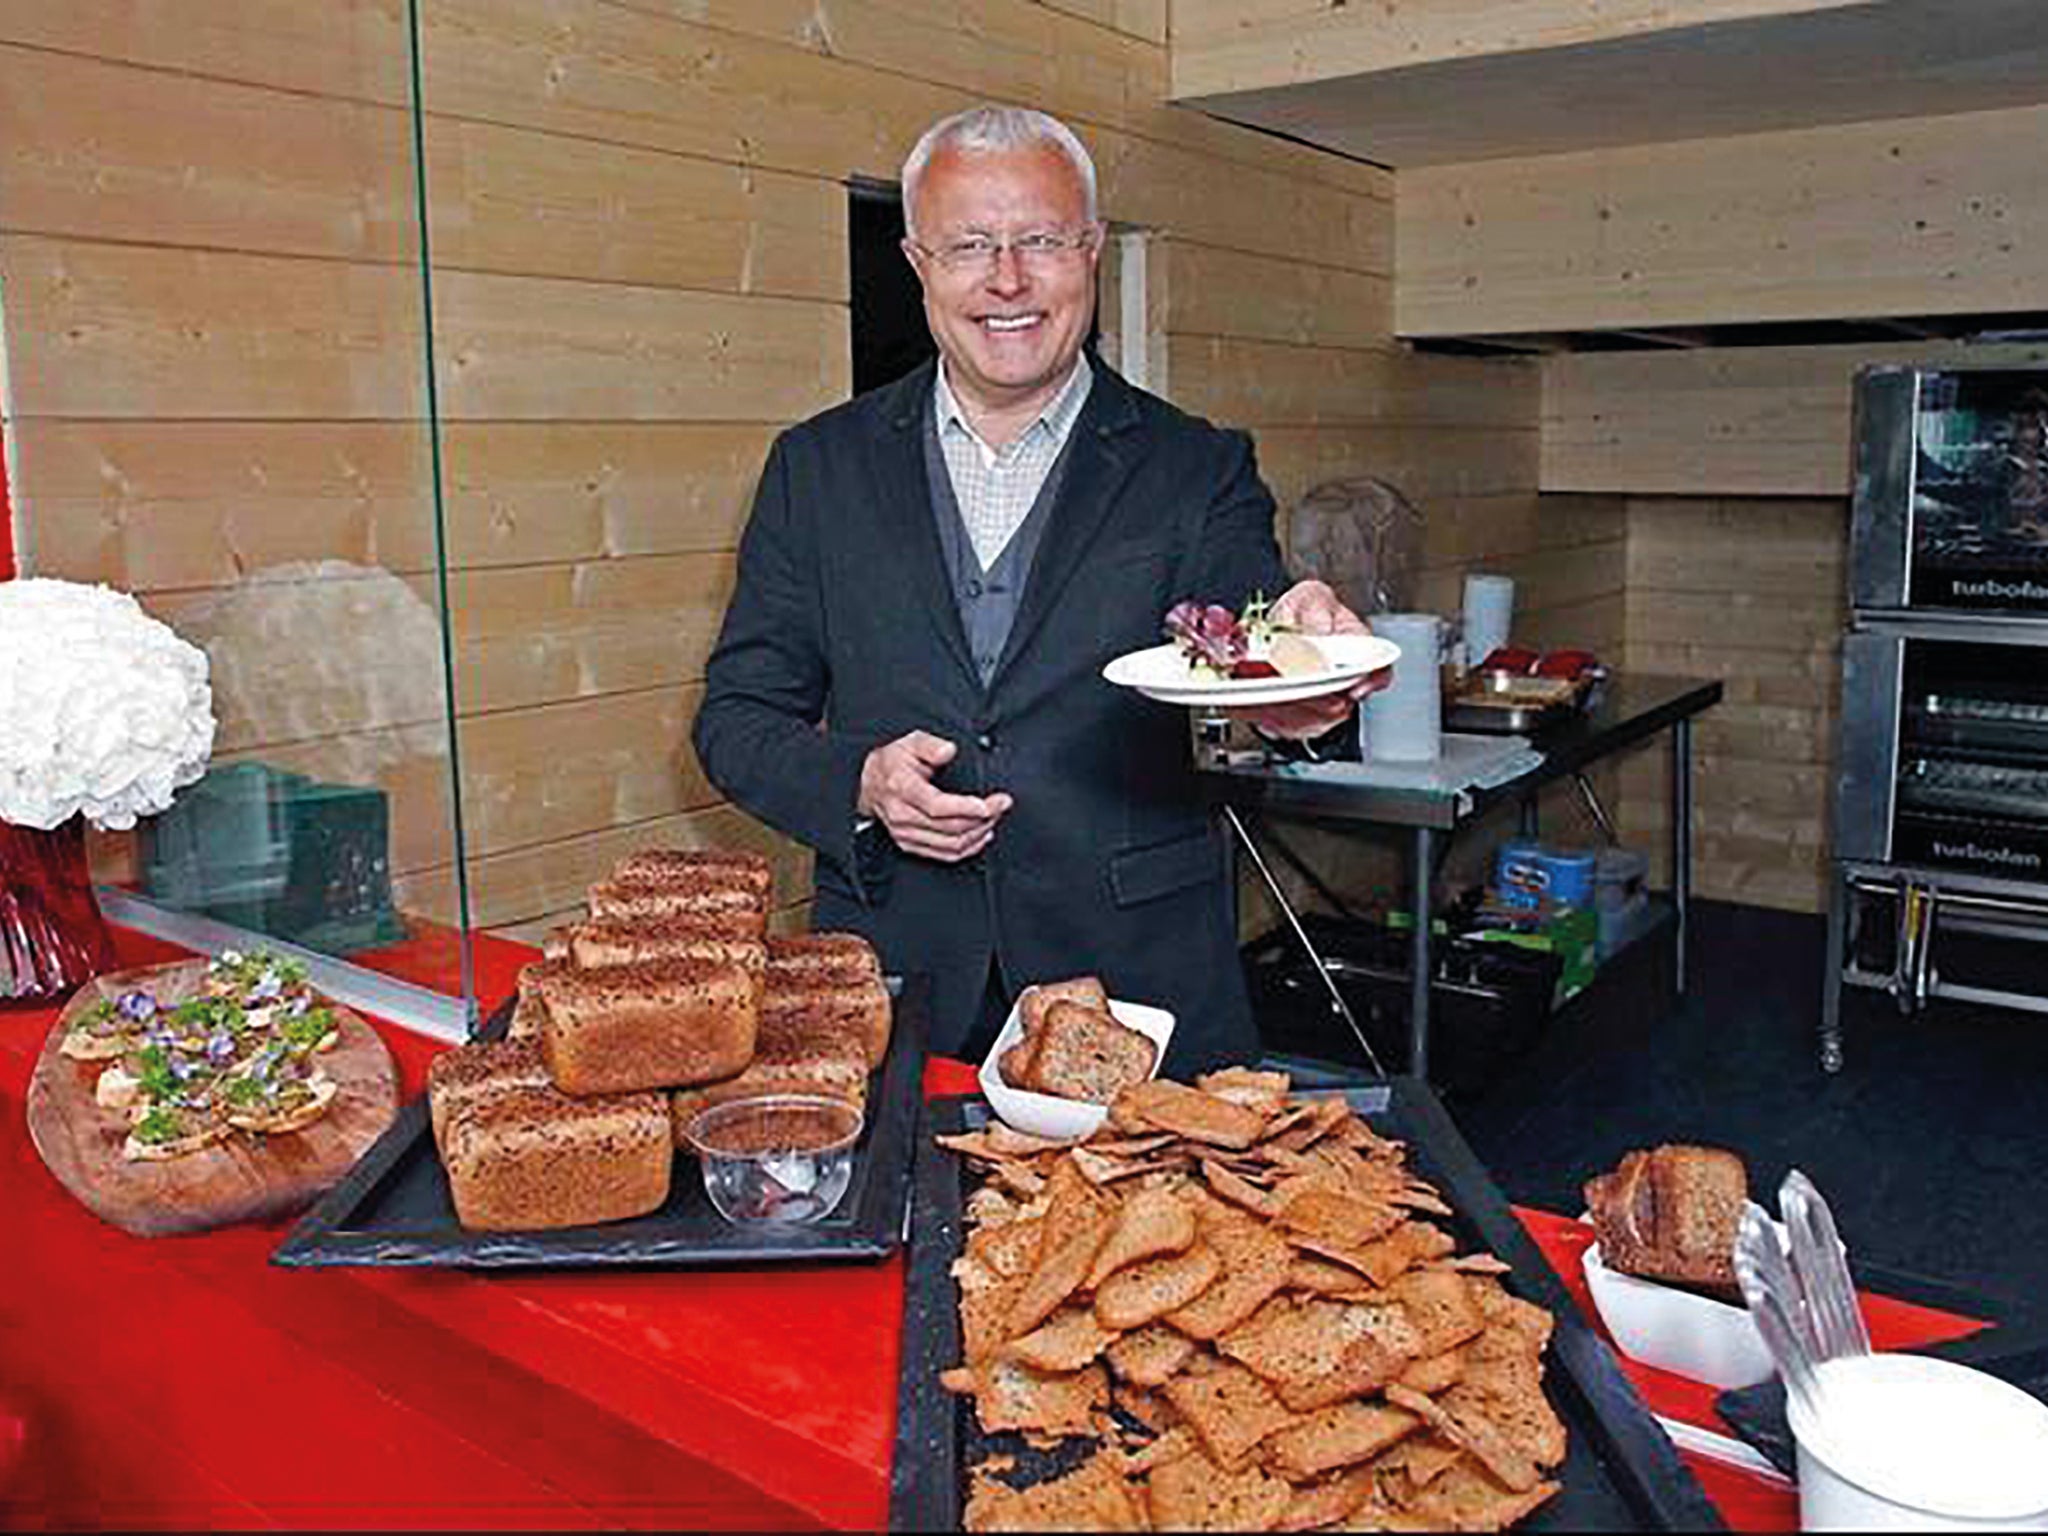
(53, 938)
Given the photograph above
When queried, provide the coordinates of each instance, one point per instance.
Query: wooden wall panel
(116, 153)
(1735, 421)
(1751, 592)
(638, 225)
(1919, 216)
(539, 349)
(123, 331)
(1231, 45)
(148, 505)
(515, 200)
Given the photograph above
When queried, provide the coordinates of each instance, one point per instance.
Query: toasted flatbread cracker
(283, 1118)
(1010, 1249)
(1149, 1356)
(1265, 1092)
(1164, 1105)
(1338, 1436)
(1192, 1493)
(1238, 1190)
(1058, 1275)
(1337, 1218)
(1433, 1373)
(1066, 1341)
(1229, 1408)
(1255, 1265)
(1156, 1288)
(1441, 1305)
(1177, 1442)
(985, 1318)
(1472, 1431)
(1152, 1222)
(1011, 1395)
(1092, 1497)
(1464, 1498)
(1318, 1504)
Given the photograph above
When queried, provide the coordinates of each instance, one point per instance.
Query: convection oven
(1940, 831)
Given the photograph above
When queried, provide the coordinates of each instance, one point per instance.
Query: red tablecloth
(179, 1382)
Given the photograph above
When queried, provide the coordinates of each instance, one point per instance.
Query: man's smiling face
(1010, 330)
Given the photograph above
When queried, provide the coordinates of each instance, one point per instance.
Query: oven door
(1944, 761)
(1950, 506)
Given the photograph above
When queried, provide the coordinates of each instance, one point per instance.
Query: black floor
(1931, 1145)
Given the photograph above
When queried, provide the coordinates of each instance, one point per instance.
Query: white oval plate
(1161, 672)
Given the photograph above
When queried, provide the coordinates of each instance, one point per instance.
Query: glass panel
(1980, 490)
(216, 315)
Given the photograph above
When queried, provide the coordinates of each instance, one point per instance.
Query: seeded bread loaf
(474, 1072)
(794, 1052)
(803, 957)
(526, 1012)
(528, 1159)
(606, 941)
(732, 911)
(1671, 1214)
(860, 1005)
(1084, 1053)
(653, 1024)
(1035, 1000)
(731, 867)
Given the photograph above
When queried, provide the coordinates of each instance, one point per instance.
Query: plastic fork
(1822, 1271)
(1778, 1306)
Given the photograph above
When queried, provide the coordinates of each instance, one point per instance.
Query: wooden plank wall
(208, 243)
(1918, 216)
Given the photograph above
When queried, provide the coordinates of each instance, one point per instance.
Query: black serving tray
(394, 1208)
(1621, 1471)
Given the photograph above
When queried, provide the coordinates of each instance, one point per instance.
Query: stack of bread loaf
(668, 998)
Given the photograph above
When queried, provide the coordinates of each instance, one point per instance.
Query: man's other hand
(896, 789)
(1311, 608)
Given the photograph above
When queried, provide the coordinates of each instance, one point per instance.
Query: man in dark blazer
(933, 576)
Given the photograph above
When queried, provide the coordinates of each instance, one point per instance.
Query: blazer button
(986, 741)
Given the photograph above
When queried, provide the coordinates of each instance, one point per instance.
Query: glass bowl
(785, 1158)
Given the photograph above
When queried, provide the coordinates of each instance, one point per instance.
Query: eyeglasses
(1037, 249)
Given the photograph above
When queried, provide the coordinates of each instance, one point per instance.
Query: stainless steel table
(1630, 710)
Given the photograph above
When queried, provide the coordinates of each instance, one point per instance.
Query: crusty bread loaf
(1035, 1000)
(476, 1071)
(861, 1005)
(526, 1012)
(802, 957)
(653, 1024)
(1084, 1053)
(527, 1159)
(606, 941)
(724, 866)
(794, 1052)
(1671, 1214)
(1015, 1065)
(734, 911)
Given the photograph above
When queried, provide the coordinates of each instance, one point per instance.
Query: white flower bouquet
(103, 710)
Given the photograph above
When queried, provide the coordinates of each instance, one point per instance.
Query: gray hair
(994, 128)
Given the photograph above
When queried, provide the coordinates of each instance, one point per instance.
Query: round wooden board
(247, 1177)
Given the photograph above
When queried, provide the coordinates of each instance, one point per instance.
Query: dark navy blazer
(843, 635)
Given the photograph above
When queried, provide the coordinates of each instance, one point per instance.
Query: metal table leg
(1420, 973)
(1681, 834)
(1839, 896)
(1244, 838)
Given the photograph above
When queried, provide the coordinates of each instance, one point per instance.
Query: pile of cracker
(1238, 1298)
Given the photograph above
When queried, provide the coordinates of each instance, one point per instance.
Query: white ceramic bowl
(1677, 1330)
(1911, 1443)
(1057, 1119)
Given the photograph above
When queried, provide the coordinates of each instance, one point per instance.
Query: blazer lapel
(904, 510)
(1105, 449)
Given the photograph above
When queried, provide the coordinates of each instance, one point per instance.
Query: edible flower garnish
(138, 1006)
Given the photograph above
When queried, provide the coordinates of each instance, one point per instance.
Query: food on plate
(1670, 1214)
(1085, 1053)
(651, 1024)
(239, 1053)
(1221, 645)
(670, 988)
(528, 1159)
(1073, 1046)
(1239, 1334)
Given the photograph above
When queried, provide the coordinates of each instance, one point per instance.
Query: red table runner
(182, 1382)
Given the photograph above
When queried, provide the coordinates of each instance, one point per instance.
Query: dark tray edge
(924, 1476)
(876, 1230)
